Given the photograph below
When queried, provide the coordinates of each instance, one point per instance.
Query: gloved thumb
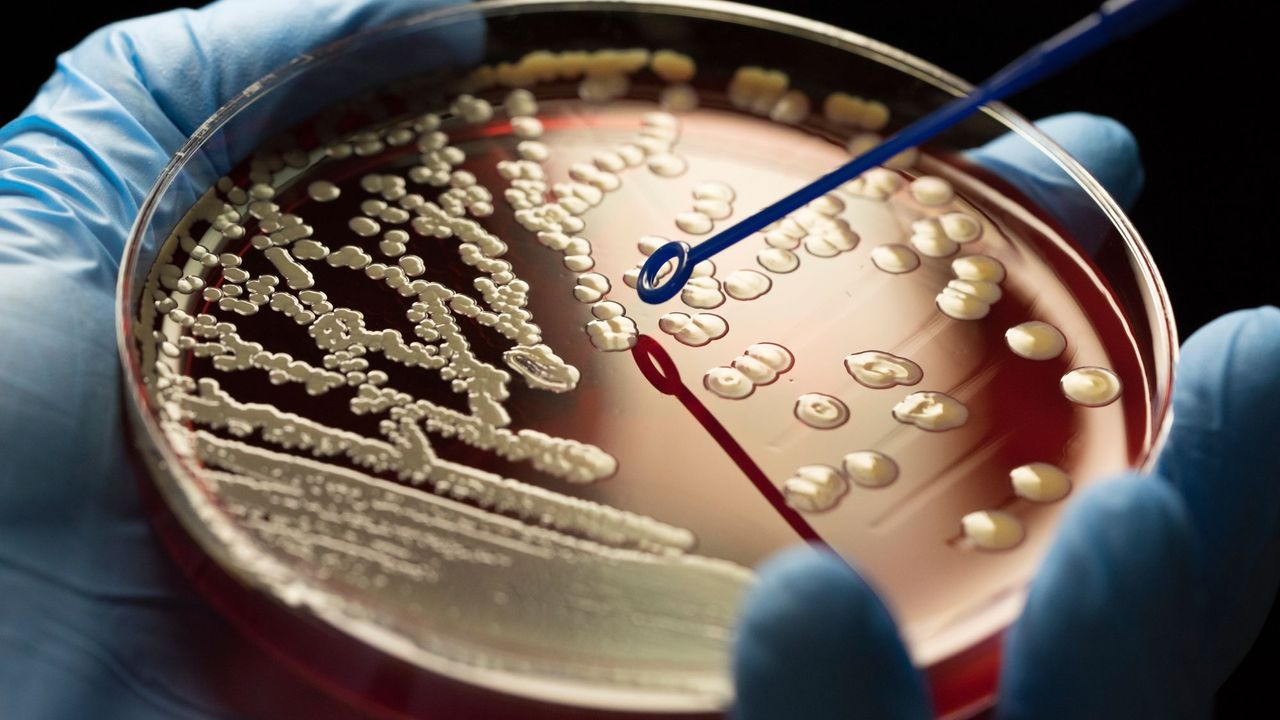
(815, 642)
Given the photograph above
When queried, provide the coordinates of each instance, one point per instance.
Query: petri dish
(404, 414)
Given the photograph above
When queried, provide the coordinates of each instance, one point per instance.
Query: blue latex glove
(94, 620)
(1155, 586)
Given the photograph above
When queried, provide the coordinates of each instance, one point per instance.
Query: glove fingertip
(815, 642)
(1221, 453)
(1105, 147)
(1109, 624)
(1224, 405)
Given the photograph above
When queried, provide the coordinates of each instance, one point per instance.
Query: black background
(1191, 89)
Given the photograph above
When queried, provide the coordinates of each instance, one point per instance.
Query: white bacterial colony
(932, 191)
(817, 229)
(1040, 482)
(826, 235)
(712, 201)
(728, 382)
(676, 69)
(746, 284)
(880, 370)
(693, 330)
(942, 237)
(388, 514)
(1091, 386)
(612, 330)
(760, 364)
(694, 223)
(647, 245)
(960, 227)
(762, 91)
(429, 553)
(701, 292)
(876, 184)
(870, 468)
(778, 260)
(814, 488)
(286, 243)
(591, 287)
(895, 258)
(998, 530)
(853, 111)
(673, 67)
(323, 191)
(978, 268)
(974, 290)
(992, 530)
(1036, 340)
(678, 98)
(933, 411)
(541, 368)
(658, 134)
(557, 224)
(667, 165)
(821, 411)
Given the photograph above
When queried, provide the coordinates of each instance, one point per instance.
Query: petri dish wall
(405, 420)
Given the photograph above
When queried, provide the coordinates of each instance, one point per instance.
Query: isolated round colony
(395, 361)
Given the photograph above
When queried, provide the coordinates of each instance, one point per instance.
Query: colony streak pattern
(361, 346)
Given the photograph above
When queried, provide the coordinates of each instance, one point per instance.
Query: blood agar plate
(388, 368)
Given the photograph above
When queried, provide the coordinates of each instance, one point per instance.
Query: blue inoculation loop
(647, 284)
(1114, 20)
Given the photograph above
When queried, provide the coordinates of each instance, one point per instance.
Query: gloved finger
(193, 61)
(188, 63)
(1223, 458)
(809, 620)
(88, 149)
(815, 642)
(1103, 146)
(1172, 581)
(1110, 625)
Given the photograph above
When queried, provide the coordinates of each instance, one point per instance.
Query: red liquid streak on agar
(658, 368)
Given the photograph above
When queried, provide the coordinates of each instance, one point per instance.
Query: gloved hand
(1155, 586)
(94, 620)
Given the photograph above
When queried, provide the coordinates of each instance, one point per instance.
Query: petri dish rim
(210, 530)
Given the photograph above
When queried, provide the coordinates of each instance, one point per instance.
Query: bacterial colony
(424, 326)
